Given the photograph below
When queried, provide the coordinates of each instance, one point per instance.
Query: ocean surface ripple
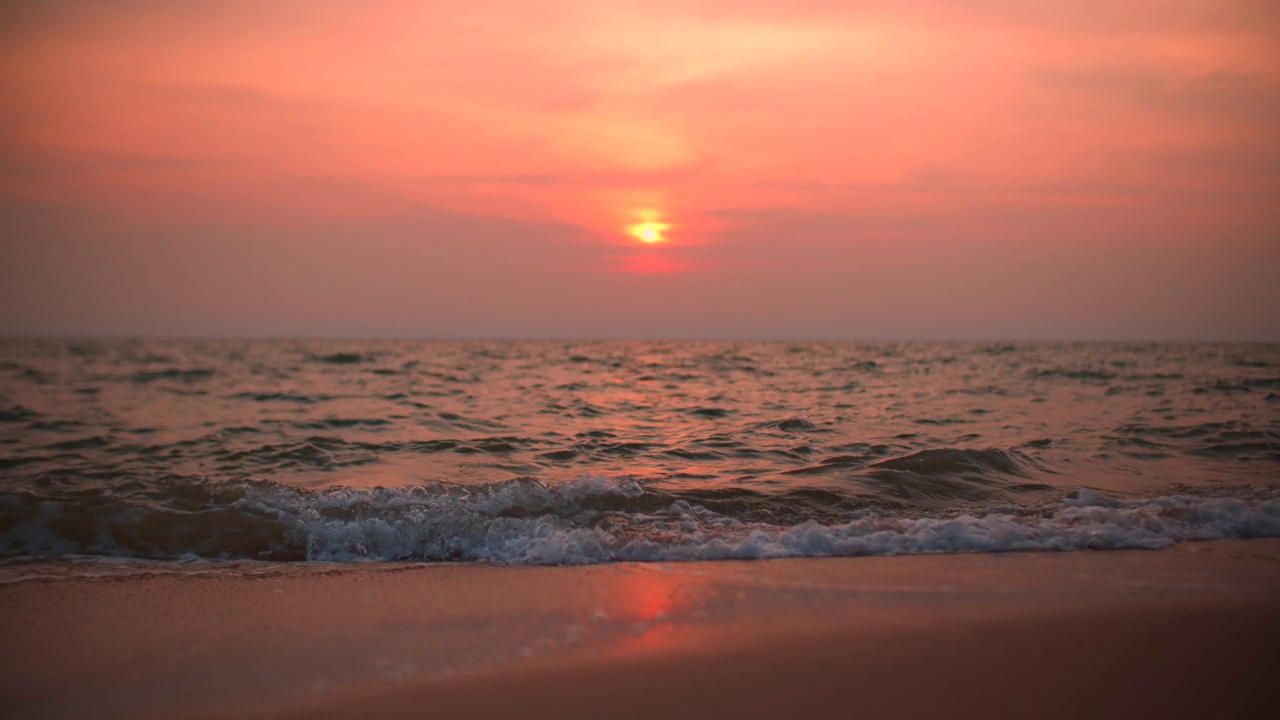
(574, 452)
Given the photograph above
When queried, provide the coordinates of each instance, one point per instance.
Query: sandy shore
(1192, 631)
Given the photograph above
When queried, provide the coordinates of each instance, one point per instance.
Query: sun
(648, 232)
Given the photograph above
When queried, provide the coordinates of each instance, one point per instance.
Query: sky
(821, 169)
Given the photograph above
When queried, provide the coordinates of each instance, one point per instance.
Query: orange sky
(805, 168)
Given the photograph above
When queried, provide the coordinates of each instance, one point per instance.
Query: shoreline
(1186, 630)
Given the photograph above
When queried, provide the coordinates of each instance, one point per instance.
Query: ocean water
(580, 452)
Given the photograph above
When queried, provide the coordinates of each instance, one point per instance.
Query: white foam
(1088, 520)
(600, 519)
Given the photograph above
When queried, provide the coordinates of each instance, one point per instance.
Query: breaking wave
(589, 520)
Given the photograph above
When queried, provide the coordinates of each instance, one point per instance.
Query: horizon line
(126, 337)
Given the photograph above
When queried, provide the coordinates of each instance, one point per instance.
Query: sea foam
(1089, 520)
(590, 520)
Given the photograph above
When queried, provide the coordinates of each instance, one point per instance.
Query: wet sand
(1191, 631)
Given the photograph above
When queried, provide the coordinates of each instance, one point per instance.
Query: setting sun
(648, 232)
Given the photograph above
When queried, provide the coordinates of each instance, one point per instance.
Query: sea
(546, 452)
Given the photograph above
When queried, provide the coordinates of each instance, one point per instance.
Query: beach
(618, 359)
(1188, 631)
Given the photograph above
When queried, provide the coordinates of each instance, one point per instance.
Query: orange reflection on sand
(656, 603)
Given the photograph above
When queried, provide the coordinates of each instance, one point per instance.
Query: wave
(340, 358)
(1075, 373)
(180, 374)
(948, 460)
(1234, 439)
(589, 520)
(16, 414)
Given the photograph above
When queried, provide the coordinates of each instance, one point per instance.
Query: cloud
(1223, 95)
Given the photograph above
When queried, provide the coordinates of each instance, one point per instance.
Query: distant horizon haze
(572, 340)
